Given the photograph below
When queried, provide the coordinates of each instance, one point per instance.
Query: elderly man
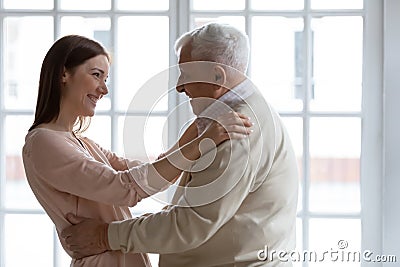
(236, 200)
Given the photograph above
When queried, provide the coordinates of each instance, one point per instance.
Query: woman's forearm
(189, 135)
(165, 170)
(176, 161)
(181, 157)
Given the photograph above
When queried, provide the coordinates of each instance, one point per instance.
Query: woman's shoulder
(46, 134)
(44, 139)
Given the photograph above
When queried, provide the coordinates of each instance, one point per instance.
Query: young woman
(69, 173)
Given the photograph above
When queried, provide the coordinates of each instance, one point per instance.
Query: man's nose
(180, 88)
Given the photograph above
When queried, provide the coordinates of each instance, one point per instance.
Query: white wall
(391, 182)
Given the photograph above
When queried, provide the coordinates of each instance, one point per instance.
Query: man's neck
(230, 85)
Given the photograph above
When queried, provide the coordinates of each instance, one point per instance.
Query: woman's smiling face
(85, 85)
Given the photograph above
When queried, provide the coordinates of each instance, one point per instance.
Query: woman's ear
(64, 76)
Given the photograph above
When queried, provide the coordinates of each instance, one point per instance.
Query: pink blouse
(67, 176)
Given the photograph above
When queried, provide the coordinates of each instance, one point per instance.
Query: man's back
(244, 201)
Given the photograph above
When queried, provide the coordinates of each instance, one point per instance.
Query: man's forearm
(85, 237)
(103, 242)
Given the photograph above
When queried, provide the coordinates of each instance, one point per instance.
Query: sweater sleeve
(211, 199)
(221, 181)
(66, 168)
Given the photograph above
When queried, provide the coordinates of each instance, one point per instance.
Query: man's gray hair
(219, 43)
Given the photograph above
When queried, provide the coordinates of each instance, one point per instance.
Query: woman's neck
(62, 125)
(63, 122)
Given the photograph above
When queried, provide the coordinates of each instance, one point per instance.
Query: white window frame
(372, 142)
(391, 130)
(380, 171)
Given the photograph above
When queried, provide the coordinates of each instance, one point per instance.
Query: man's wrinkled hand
(85, 237)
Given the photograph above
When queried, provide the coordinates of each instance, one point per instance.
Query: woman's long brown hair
(69, 51)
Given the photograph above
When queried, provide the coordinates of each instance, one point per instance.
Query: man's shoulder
(258, 109)
(255, 102)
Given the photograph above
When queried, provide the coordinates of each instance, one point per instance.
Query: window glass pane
(142, 53)
(153, 259)
(28, 4)
(218, 4)
(100, 131)
(335, 147)
(120, 149)
(28, 240)
(152, 96)
(299, 240)
(18, 194)
(294, 127)
(97, 28)
(142, 5)
(341, 235)
(85, 5)
(337, 63)
(63, 259)
(277, 5)
(143, 138)
(236, 21)
(23, 51)
(299, 234)
(336, 4)
(276, 62)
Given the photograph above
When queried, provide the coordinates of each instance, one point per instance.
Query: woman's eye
(96, 74)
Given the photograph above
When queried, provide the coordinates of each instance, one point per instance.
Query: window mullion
(173, 99)
(113, 82)
(371, 168)
(182, 12)
(307, 50)
(56, 33)
(2, 183)
(248, 28)
(2, 152)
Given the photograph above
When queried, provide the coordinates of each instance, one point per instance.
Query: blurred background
(320, 63)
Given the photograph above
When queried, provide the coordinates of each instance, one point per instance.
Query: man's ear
(220, 75)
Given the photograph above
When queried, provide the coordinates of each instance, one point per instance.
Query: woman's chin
(89, 113)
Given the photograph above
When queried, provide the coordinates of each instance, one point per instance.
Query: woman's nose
(103, 88)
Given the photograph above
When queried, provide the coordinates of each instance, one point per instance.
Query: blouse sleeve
(117, 162)
(68, 169)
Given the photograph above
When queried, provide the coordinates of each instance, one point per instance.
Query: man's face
(195, 80)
